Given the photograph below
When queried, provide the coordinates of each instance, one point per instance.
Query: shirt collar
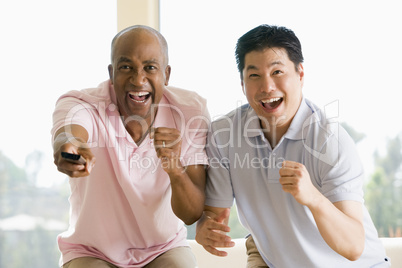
(295, 130)
(164, 116)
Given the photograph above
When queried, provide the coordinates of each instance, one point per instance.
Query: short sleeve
(219, 190)
(194, 137)
(70, 110)
(343, 176)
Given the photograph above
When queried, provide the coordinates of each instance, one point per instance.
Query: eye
(124, 68)
(277, 72)
(150, 68)
(253, 76)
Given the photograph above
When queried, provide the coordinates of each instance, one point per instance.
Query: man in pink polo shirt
(143, 173)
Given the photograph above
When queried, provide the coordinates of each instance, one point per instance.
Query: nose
(138, 78)
(267, 84)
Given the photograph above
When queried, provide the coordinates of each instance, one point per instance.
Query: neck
(138, 130)
(273, 131)
(274, 136)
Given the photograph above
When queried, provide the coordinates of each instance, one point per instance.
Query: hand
(167, 142)
(69, 168)
(295, 180)
(211, 233)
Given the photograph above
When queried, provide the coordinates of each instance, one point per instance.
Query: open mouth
(272, 103)
(139, 97)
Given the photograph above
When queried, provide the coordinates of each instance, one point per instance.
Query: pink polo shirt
(122, 211)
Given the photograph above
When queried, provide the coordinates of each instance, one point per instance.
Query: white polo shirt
(243, 167)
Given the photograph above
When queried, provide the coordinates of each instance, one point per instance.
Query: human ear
(301, 73)
(167, 74)
(242, 86)
(110, 69)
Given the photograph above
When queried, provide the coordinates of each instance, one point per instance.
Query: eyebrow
(123, 59)
(253, 67)
(154, 61)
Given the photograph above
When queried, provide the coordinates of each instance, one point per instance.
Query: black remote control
(73, 158)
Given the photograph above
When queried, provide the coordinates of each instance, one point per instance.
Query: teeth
(138, 101)
(270, 100)
(139, 94)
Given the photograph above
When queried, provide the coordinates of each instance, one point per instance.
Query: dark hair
(267, 36)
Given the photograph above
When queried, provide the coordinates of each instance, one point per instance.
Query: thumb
(223, 215)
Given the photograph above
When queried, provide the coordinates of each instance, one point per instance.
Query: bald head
(137, 30)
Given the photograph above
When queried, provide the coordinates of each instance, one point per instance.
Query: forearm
(188, 194)
(74, 134)
(188, 183)
(72, 139)
(340, 223)
(343, 233)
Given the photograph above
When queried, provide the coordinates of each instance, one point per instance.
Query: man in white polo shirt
(148, 139)
(295, 175)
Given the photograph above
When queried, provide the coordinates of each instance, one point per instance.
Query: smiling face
(139, 73)
(273, 87)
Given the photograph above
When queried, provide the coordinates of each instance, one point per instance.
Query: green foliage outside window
(384, 191)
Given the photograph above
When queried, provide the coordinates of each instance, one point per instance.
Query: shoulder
(227, 128)
(189, 110)
(325, 138)
(317, 125)
(233, 119)
(94, 97)
(185, 99)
